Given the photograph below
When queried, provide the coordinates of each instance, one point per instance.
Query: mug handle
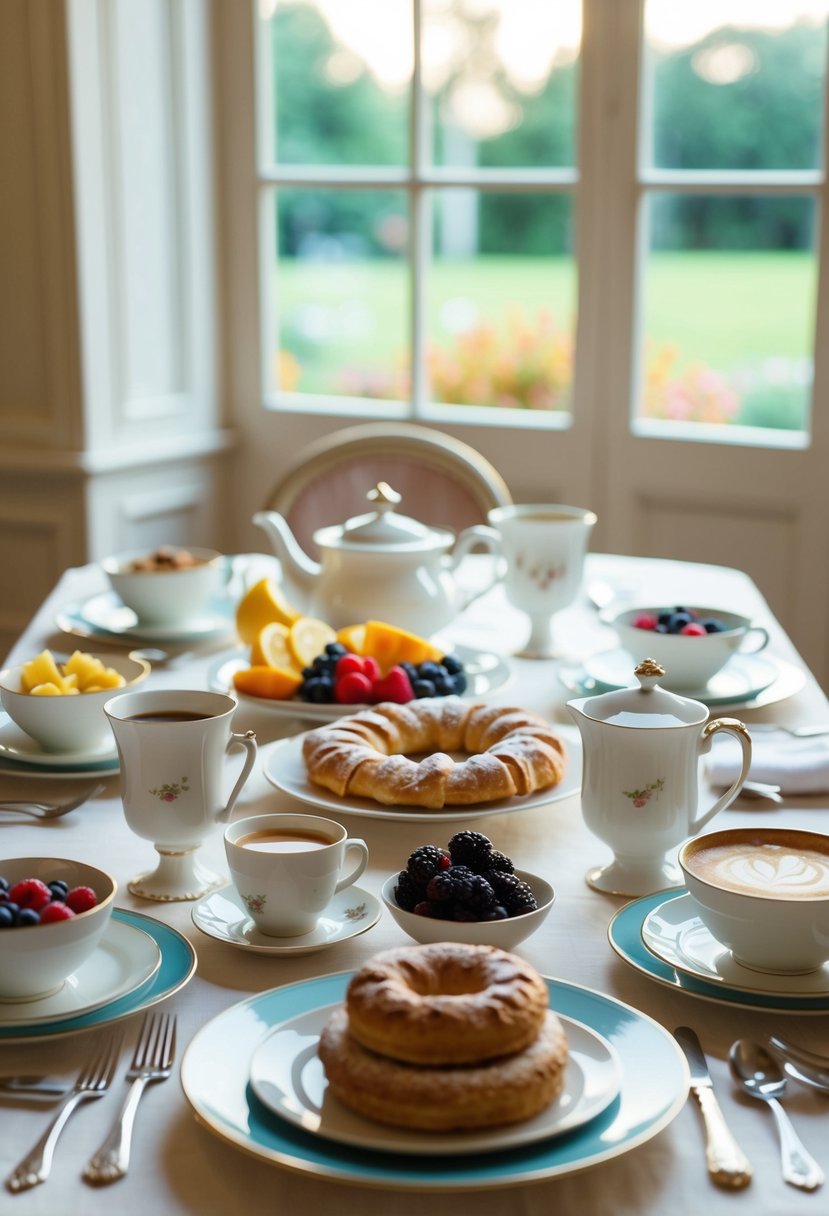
(354, 874)
(248, 742)
(762, 639)
(740, 731)
(478, 534)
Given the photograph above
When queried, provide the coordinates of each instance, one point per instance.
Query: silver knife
(727, 1163)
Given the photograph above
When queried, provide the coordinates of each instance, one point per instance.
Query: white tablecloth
(181, 1167)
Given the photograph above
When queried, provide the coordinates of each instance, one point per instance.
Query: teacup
(287, 868)
(689, 662)
(763, 893)
(172, 744)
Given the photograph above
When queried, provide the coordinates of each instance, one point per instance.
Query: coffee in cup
(763, 893)
(287, 868)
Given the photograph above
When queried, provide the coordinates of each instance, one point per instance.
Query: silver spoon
(51, 810)
(758, 1072)
(801, 1064)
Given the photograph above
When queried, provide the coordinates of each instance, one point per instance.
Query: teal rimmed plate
(178, 963)
(216, 1067)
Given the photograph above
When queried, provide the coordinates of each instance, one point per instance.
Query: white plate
(105, 616)
(486, 672)
(287, 1076)
(223, 915)
(16, 745)
(125, 959)
(284, 767)
(675, 934)
(742, 677)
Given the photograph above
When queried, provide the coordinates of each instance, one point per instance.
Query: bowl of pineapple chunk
(60, 703)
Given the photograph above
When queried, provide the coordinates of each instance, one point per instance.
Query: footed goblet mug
(172, 746)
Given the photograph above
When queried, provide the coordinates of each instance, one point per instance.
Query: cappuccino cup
(764, 894)
(287, 868)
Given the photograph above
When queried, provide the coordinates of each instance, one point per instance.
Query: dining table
(205, 1144)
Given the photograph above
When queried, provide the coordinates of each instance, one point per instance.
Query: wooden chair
(443, 482)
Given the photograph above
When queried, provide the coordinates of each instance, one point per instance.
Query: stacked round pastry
(509, 751)
(445, 1037)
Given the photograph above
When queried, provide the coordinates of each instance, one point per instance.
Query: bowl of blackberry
(467, 892)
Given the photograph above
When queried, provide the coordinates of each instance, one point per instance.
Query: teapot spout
(299, 571)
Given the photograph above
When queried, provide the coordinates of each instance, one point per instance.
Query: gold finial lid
(650, 667)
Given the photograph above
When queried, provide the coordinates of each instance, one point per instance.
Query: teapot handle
(478, 534)
(740, 731)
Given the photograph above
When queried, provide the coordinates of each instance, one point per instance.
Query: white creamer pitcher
(640, 782)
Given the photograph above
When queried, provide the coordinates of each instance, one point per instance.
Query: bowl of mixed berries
(53, 914)
(691, 643)
(467, 892)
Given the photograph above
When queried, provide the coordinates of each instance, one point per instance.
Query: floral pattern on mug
(254, 903)
(357, 913)
(540, 573)
(170, 790)
(643, 796)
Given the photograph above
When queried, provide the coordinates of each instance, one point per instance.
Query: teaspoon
(758, 1072)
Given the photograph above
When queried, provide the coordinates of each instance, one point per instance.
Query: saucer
(124, 961)
(286, 1075)
(16, 745)
(742, 677)
(223, 915)
(105, 616)
(675, 934)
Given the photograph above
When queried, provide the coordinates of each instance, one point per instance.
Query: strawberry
(30, 893)
(81, 899)
(353, 689)
(348, 663)
(56, 911)
(395, 687)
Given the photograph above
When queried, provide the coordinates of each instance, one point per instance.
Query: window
(428, 218)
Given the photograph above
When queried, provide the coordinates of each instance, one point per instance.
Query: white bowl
(69, 723)
(689, 662)
(170, 598)
(36, 959)
(503, 933)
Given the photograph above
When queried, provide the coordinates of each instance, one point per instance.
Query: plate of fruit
(299, 666)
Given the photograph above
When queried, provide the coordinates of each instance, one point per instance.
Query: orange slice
(308, 638)
(271, 647)
(274, 683)
(353, 638)
(261, 604)
(389, 645)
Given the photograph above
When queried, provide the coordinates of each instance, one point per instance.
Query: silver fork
(152, 1061)
(93, 1082)
(51, 810)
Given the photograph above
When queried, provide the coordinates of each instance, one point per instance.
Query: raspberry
(693, 630)
(515, 895)
(407, 892)
(354, 688)
(30, 893)
(645, 620)
(81, 899)
(470, 849)
(425, 862)
(349, 662)
(396, 687)
(498, 861)
(56, 911)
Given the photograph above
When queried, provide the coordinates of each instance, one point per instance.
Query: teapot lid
(383, 526)
(647, 705)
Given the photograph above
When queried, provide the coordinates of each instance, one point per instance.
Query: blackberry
(425, 862)
(500, 862)
(433, 910)
(512, 892)
(447, 884)
(470, 849)
(474, 893)
(407, 892)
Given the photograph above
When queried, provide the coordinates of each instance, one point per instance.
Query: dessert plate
(178, 965)
(625, 936)
(486, 673)
(126, 958)
(223, 915)
(284, 767)
(105, 616)
(729, 688)
(675, 934)
(287, 1076)
(216, 1070)
(16, 745)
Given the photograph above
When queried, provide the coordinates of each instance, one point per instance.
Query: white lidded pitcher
(640, 780)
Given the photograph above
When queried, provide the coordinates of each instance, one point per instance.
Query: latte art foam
(774, 871)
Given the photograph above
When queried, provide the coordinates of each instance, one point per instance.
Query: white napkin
(798, 766)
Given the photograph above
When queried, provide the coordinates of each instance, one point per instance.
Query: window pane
(502, 295)
(501, 76)
(729, 306)
(736, 84)
(339, 291)
(342, 78)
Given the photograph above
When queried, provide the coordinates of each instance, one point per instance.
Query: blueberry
(452, 664)
(321, 692)
(59, 889)
(4, 884)
(6, 917)
(428, 670)
(678, 621)
(410, 670)
(423, 688)
(335, 650)
(459, 682)
(711, 625)
(14, 909)
(664, 618)
(28, 916)
(444, 685)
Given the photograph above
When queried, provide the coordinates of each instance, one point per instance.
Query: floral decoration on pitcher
(254, 903)
(540, 573)
(643, 796)
(170, 790)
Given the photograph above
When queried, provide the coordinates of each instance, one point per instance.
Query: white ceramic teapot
(378, 566)
(639, 794)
